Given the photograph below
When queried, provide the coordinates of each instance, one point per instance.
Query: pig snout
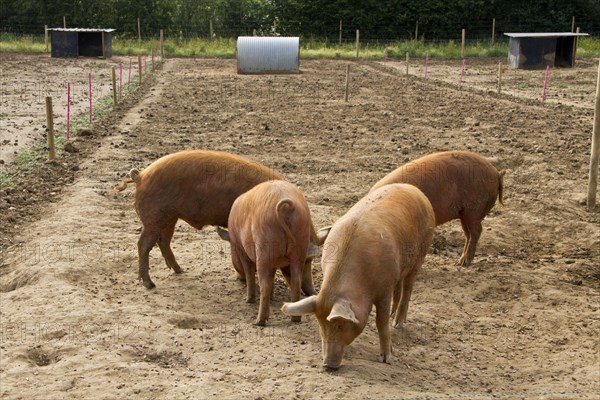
(333, 352)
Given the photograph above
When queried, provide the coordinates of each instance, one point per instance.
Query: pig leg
(266, 276)
(407, 287)
(287, 276)
(475, 229)
(164, 243)
(296, 276)
(146, 242)
(467, 233)
(382, 321)
(249, 272)
(396, 299)
(307, 280)
(473, 226)
(236, 259)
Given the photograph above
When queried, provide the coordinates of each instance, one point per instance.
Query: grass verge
(310, 48)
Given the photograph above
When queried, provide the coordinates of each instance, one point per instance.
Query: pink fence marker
(129, 78)
(145, 61)
(545, 83)
(462, 71)
(90, 94)
(426, 64)
(120, 80)
(68, 132)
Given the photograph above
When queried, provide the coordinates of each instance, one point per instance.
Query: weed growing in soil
(6, 181)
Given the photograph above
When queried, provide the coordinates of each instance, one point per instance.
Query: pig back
(454, 182)
(379, 239)
(198, 186)
(273, 215)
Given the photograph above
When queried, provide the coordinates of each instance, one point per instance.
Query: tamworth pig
(199, 187)
(459, 184)
(269, 229)
(371, 256)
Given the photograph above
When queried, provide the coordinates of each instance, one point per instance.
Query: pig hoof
(385, 358)
(178, 270)
(149, 285)
(296, 319)
(309, 291)
(462, 263)
(397, 325)
(260, 322)
(250, 300)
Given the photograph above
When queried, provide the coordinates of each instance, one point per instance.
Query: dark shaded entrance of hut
(76, 42)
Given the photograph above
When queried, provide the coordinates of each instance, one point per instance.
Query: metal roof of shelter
(80, 30)
(544, 34)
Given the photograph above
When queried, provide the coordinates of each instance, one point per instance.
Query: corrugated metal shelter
(268, 55)
(537, 50)
(75, 42)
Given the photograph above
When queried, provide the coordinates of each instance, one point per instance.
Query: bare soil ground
(522, 322)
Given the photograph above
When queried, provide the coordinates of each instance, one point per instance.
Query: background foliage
(377, 19)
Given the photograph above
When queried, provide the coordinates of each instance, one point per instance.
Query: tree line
(376, 19)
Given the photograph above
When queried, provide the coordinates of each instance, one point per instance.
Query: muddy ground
(521, 322)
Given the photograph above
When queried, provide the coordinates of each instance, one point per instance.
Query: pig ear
(313, 251)
(322, 234)
(223, 233)
(342, 309)
(302, 307)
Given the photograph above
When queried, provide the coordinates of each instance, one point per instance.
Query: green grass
(588, 47)
(6, 181)
(21, 44)
(310, 48)
(398, 50)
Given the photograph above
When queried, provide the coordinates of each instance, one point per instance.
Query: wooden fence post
(493, 30)
(595, 153)
(162, 38)
(499, 77)
(347, 82)
(50, 124)
(340, 40)
(114, 85)
(46, 37)
(357, 42)
(140, 69)
(575, 43)
(573, 24)
(462, 47)
(417, 30)
(139, 30)
(64, 22)
(103, 44)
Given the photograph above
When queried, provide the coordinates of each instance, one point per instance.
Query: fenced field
(521, 322)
